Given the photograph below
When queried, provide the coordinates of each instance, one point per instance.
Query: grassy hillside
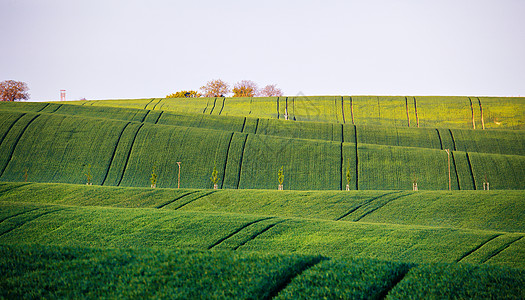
(56, 147)
(432, 111)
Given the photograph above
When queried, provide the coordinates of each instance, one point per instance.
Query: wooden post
(178, 184)
(449, 179)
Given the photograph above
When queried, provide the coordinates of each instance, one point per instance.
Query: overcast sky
(108, 49)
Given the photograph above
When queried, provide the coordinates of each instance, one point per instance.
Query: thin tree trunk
(481, 111)
(472, 110)
(408, 115)
(415, 109)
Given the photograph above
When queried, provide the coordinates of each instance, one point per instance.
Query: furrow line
(214, 101)
(158, 118)
(396, 281)
(149, 103)
(129, 154)
(156, 104)
(356, 160)
(177, 198)
(201, 196)
(241, 161)
(453, 140)
(44, 107)
(10, 127)
(471, 172)
(36, 217)
(501, 249)
(16, 143)
(243, 124)
(476, 248)
(59, 106)
(455, 168)
(113, 154)
(223, 100)
(236, 231)
(363, 204)
(343, 108)
(226, 159)
(375, 209)
(288, 279)
(440, 141)
(253, 236)
(13, 188)
(145, 115)
(18, 214)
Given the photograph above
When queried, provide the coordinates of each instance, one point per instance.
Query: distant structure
(62, 95)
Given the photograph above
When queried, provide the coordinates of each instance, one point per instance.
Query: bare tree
(245, 88)
(271, 91)
(215, 88)
(11, 90)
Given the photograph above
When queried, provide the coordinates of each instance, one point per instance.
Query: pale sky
(110, 49)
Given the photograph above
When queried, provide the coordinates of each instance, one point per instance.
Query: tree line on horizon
(220, 88)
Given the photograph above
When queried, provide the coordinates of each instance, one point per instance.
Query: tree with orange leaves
(11, 90)
(215, 88)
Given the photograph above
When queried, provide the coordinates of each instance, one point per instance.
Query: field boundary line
(226, 159)
(290, 277)
(10, 127)
(363, 204)
(375, 209)
(471, 172)
(129, 154)
(14, 188)
(253, 236)
(237, 231)
(394, 283)
(176, 198)
(28, 221)
(113, 154)
(16, 143)
(498, 251)
(146, 106)
(241, 161)
(201, 196)
(476, 248)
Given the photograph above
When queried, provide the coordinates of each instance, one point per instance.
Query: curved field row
(484, 141)
(25, 223)
(62, 148)
(427, 111)
(56, 272)
(478, 210)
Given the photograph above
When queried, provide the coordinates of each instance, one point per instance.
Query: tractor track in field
(201, 196)
(222, 107)
(10, 127)
(145, 115)
(158, 118)
(226, 159)
(14, 188)
(214, 101)
(145, 106)
(501, 249)
(477, 247)
(18, 214)
(455, 168)
(237, 231)
(177, 198)
(453, 140)
(59, 106)
(129, 154)
(440, 141)
(36, 217)
(254, 236)
(16, 143)
(156, 104)
(286, 280)
(113, 154)
(356, 161)
(375, 209)
(241, 161)
(363, 204)
(471, 172)
(394, 283)
(47, 104)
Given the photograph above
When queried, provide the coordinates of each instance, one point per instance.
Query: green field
(61, 238)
